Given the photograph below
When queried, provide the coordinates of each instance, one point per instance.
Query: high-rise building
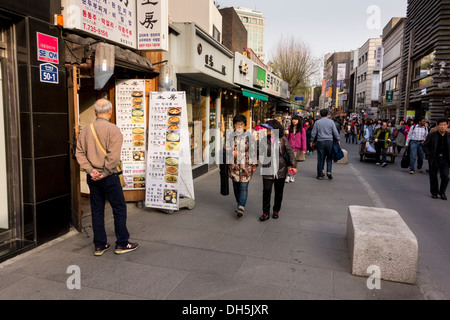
(255, 23)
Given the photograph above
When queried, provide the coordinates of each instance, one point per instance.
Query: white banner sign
(131, 120)
(153, 25)
(169, 170)
(114, 20)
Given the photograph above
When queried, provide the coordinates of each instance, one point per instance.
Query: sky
(325, 25)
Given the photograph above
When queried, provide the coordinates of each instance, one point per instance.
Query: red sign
(47, 47)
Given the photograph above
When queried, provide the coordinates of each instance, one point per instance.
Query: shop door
(5, 215)
(72, 83)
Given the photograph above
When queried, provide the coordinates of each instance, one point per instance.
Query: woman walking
(242, 161)
(275, 166)
(400, 136)
(297, 139)
(308, 128)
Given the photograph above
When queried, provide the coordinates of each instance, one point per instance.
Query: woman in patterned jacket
(241, 160)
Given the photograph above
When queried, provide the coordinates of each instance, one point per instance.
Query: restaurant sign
(138, 24)
(259, 77)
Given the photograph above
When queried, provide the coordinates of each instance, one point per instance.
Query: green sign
(389, 96)
(259, 80)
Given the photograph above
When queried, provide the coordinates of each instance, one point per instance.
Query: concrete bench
(380, 237)
(344, 160)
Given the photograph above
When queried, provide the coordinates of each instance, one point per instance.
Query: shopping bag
(405, 160)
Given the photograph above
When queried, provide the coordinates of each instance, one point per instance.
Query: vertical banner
(169, 172)
(131, 119)
(153, 24)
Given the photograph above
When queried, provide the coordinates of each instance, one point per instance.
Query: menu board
(169, 172)
(131, 120)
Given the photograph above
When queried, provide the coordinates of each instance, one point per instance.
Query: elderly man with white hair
(102, 178)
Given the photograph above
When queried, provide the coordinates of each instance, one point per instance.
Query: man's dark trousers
(440, 164)
(108, 188)
(324, 149)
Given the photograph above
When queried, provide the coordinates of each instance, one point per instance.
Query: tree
(294, 62)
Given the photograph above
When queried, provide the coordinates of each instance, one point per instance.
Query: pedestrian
(382, 138)
(368, 129)
(399, 136)
(241, 160)
(309, 123)
(437, 149)
(416, 137)
(354, 132)
(297, 139)
(280, 156)
(102, 178)
(325, 133)
(408, 126)
(377, 125)
(347, 131)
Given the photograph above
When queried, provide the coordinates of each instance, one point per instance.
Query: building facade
(337, 82)
(426, 60)
(34, 127)
(353, 77)
(255, 23)
(368, 80)
(393, 41)
(234, 32)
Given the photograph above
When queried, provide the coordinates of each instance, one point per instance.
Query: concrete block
(344, 160)
(380, 237)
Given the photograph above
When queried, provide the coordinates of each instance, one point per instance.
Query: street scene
(224, 156)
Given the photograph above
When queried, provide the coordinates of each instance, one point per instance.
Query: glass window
(216, 34)
(4, 212)
(196, 100)
(422, 67)
(422, 71)
(390, 84)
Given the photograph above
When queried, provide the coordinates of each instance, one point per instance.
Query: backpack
(395, 133)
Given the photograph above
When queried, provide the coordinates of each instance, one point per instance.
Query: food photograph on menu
(170, 196)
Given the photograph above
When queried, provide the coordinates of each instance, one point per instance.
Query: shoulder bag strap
(96, 139)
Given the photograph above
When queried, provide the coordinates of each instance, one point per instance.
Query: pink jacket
(298, 141)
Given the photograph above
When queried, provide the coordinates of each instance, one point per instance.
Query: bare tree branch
(295, 63)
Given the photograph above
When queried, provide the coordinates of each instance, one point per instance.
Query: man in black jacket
(437, 149)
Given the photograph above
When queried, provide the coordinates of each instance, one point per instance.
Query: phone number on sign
(92, 29)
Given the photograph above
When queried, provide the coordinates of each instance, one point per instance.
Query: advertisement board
(131, 118)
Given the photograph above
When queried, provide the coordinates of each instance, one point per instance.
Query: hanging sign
(131, 119)
(153, 25)
(169, 171)
(114, 20)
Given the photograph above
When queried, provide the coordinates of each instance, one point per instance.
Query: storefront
(203, 68)
(34, 153)
(253, 102)
(102, 61)
(83, 95)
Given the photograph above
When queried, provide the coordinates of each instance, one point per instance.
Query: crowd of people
(272, 147)
(302, 136)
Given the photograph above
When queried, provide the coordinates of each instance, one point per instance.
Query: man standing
(102, 178)
(324, 131)
(382, 137)
(416, 137)
(437, 149)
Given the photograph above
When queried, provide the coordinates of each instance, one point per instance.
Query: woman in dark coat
(274, 172)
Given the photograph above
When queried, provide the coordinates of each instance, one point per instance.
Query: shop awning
(80, 48)
(254, 95)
